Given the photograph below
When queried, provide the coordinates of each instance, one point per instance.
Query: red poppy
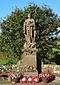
(24, 79)
(30, 79)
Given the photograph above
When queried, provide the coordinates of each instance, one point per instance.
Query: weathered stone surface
(29, 59)
(29, 51)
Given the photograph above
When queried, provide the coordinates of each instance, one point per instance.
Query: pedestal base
(29, 59)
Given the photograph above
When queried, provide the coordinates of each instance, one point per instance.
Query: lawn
(3, 61)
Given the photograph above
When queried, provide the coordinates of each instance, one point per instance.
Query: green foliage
(2, 61)
(12, 37)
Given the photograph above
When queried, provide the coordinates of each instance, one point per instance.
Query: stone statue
(29, 31)
(29, 50)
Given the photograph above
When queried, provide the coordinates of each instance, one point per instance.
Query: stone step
(31, 73)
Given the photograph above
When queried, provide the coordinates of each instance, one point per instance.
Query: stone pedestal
(29, 59)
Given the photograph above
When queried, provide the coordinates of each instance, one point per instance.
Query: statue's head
(29, 15)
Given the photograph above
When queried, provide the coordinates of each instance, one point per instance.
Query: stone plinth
(34, 74)
(29, 59)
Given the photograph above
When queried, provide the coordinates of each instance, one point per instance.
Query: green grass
(3, 61)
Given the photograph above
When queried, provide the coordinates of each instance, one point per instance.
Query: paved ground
(55, 82)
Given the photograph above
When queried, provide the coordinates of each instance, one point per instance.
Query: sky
(7, 6)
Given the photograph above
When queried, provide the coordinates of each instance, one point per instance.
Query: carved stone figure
(29, 31)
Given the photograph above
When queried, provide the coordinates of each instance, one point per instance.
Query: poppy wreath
(36, 79)
(47, 77)
(30, 79)
(51, 77)
(19, 78)
(24, 79)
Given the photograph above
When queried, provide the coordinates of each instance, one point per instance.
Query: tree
(12, 37)
(56, 51)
